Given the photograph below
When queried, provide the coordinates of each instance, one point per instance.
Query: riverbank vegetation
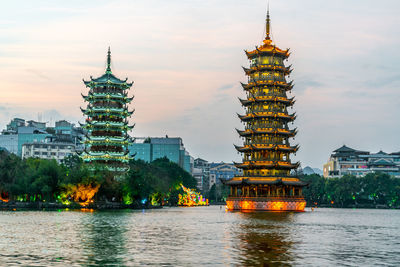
(40, 180)
(158, 183)
(372, 190)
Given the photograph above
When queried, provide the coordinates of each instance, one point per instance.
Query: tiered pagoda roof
(266, 149)
(107, 126)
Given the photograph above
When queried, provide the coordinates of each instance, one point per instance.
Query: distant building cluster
(32, 139)
(210, 173)
(207, 174)
(35, 139)
(152, 148)
(346, 160)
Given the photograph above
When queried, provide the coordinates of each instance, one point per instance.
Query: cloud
(185, 58)
(225, 87)
(38, 74)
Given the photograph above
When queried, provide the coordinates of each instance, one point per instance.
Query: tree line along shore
(41, 183)
(38, 183)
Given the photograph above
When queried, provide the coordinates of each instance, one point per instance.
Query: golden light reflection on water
(263, 239)
(199, 236)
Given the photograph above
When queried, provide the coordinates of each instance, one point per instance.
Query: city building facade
(221, 172)
(152, 148)
(49, 150)
(197, 174)
(19, 133)
(346, 160)
(204, 166)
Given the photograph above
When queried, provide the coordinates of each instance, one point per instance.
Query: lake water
(200, 236)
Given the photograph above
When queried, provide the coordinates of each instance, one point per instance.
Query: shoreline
(15, 206)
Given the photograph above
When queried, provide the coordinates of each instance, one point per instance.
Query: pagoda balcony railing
(106, 104)
(256, 141)
(110, 104)
(266, 131)
(119, 96)
(256, 64)
(281, 175)
(266, 79)
(109, 133)
(107, 118)
(264, 64)
(105, 150)
(261, 94)
(261, 126)
(107, 90)
(265, 143)
(266, 110)
(107, 109)
(259, 140)
(267, 160)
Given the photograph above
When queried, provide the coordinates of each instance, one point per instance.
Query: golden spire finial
(108, 70)
(268, 26)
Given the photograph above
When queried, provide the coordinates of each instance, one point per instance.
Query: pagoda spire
(269, 180)
(108, 70)
(268, 25)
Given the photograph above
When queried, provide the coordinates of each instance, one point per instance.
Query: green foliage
(373, 189)
(218, 193)
(36, 179)
(159, 180)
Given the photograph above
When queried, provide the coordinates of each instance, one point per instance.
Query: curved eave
(85, 97)
(107, 80)
(287, 86)
(266, 165)
(291, 149)
(267, 49)
(268, 67)
(273, 131)
(263, 99)
(268, 115)
(84, 111)
(250, 181)
(245, 102)
(247, 70)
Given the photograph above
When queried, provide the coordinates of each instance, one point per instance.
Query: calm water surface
(201, 236)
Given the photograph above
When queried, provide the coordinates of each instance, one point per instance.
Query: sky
(186, 58)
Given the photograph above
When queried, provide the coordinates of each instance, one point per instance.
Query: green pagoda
(106, 126)
(268, 182)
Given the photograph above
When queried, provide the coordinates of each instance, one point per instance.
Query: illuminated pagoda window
(267, 182)
(106, 124)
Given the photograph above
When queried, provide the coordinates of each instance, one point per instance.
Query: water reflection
(103, 238)
(264, 239)
(200, 236)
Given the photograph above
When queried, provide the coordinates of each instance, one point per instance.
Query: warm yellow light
(251, 205)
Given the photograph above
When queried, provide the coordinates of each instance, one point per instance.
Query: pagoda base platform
(265, 204)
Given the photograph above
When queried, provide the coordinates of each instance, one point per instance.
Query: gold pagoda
(268, 182)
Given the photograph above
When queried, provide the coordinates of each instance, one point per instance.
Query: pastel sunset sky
(185, 59)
